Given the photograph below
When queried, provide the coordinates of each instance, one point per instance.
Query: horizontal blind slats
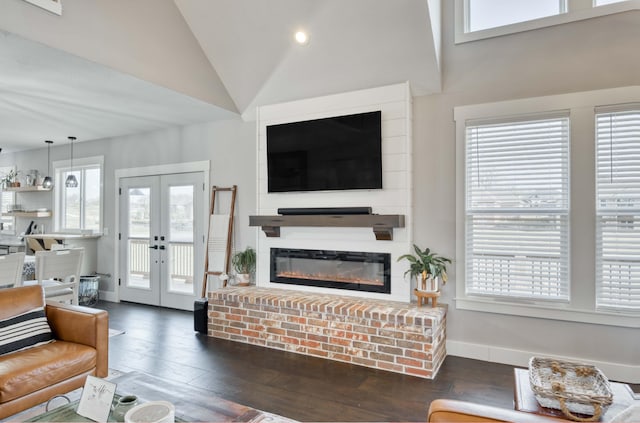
(618, 210)
(519, 172)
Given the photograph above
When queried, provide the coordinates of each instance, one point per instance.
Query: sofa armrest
(444, 410)
(82, 325)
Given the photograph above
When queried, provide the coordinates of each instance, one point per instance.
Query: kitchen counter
(86, 241)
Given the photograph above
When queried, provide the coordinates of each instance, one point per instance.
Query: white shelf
(28, 214)
(34, 188)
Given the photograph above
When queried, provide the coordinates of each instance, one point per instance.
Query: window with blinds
(517, 208)
(618, 209)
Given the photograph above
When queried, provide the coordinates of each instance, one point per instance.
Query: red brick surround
(381, 334)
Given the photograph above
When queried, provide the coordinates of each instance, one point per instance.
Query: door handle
(162, 247)
(155, 247)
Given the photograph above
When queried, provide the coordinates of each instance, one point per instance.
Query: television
(335, 153)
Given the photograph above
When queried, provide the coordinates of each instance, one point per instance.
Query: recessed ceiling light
(301, 37)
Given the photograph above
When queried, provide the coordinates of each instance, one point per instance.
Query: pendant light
(71, 181)
(47, 183)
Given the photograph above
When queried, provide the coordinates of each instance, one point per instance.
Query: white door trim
(200, 166)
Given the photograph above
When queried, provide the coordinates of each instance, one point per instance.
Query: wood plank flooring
(162, 342)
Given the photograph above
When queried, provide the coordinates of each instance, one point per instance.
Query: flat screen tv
(336, 153)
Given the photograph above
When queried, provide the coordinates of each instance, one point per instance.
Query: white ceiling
(354, 44)
(49, 94)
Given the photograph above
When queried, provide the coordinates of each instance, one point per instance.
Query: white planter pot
(243, 279)
(429, 285)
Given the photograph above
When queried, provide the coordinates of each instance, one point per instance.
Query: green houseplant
(244, 263)
(428, 266)
(11, 179)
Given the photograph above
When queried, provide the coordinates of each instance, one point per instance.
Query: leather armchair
(32, 376)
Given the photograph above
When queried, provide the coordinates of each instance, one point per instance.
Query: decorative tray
(571, 387)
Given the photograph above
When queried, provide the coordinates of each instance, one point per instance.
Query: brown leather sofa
(32, 376)
(444, 410)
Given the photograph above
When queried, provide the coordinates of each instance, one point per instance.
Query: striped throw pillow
(24, 331)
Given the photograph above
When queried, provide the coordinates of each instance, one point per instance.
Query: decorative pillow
(24, 331)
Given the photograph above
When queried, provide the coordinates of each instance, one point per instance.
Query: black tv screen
(336, 153)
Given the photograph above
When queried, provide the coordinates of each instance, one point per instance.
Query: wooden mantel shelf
(382, 224)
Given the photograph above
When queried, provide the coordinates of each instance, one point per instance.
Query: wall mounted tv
(336, 153)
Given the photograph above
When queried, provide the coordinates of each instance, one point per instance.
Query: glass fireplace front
(358, 271)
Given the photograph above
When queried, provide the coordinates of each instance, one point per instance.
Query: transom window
(603, 2)
(517, 208)
(480, 19)
(484, 14)
(79, 208)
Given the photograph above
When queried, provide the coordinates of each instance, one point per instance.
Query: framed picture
(53, 6)
(96, 399)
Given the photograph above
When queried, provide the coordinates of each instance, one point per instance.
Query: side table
(525, 400)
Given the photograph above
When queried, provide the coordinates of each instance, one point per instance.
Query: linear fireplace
(358, 271)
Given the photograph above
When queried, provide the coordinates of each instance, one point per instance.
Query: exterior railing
(181, 254)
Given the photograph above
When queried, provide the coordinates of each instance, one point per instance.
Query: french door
(161, 239)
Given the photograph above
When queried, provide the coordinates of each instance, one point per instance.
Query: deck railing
(181, 254)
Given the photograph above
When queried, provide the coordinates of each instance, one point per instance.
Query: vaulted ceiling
(354, 44)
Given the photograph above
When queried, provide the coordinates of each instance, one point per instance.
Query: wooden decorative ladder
(217, 220)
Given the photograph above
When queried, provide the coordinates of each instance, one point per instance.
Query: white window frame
(577, 10)
(607, 282)
(582, 306)
(515, 288)
(61, 166)
(3, 171)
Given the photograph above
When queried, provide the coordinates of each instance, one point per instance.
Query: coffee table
(192, 404)
(525, 400)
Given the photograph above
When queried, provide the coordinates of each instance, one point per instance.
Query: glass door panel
(139, 234)
(181, 201)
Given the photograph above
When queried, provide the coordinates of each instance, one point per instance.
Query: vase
(122, 405)
(429, 284)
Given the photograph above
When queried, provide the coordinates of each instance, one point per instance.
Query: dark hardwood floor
(162, 342)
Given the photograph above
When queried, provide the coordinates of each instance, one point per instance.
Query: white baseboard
(108, 296)
(615, 371)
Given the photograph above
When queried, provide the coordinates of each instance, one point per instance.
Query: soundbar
(323, 210)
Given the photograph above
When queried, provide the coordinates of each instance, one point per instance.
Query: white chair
(11, 270)
(59, 274)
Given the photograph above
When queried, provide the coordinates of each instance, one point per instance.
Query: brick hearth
(381, 334)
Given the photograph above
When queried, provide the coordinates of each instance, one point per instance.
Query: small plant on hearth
(244, 263)
(426, 265)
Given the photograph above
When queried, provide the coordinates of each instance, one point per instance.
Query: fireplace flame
(329, 277)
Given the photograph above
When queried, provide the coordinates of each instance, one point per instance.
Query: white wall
(394, 198)
(228, 145)
(580, 56)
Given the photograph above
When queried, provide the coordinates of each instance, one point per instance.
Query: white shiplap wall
(394, 198)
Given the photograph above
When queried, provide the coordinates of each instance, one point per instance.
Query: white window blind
(618, 209)
(517, 208)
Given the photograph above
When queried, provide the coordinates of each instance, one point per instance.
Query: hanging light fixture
(47, 182)
(71, 181)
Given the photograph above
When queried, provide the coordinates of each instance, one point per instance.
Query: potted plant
(244, 263)
(428, 266)
(11, 179)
